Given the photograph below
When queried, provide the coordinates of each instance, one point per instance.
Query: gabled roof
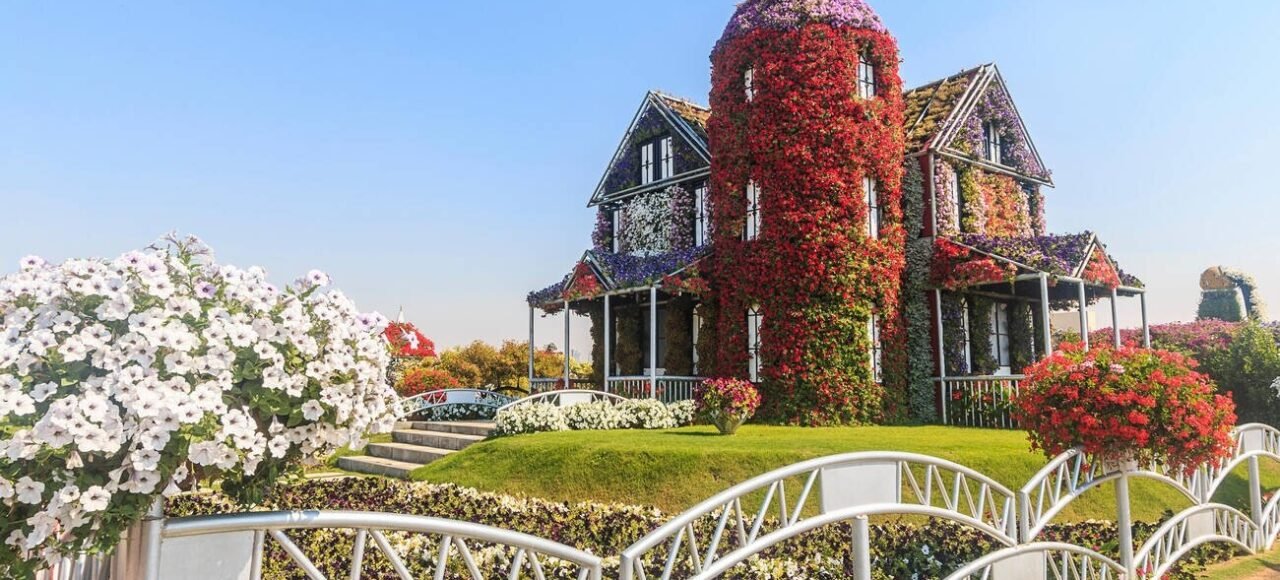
(686, 120)
(938, 112)
(621, 272)
(1057, 255)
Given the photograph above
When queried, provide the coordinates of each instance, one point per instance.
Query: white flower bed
(122, 379)
(600, 415)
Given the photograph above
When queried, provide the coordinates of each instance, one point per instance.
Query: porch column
(608, 340)
(653, 342)
(567, 384)
(1146, 330)
(1044, 314)
(1084, 317)
(531, 350)
(1115, 320)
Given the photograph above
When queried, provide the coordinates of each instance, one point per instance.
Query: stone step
(377, 466)
(481, 428)
(451, 441)
(406, 452)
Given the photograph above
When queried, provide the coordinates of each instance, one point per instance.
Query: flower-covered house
(862, 252)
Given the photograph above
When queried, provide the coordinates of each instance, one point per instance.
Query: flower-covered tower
(807, 145)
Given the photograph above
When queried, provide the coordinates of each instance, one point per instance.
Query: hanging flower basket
(1126, 407)
(727, 403)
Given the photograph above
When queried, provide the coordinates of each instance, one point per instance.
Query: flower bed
(600, 415)
(899, 549)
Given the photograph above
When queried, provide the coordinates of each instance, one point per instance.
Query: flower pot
(728, 423)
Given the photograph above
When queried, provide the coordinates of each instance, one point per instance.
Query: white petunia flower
(312, 410)
(95, 499)
(29, 490)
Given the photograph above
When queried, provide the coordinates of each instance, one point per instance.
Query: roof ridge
(690, 102)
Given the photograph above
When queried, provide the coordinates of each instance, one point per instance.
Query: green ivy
(984, 359)
(630, 352)
(679, 357)
(595, 310)
(1022, 333)
(915, 296)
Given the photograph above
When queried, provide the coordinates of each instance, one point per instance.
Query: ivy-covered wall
(595, 311)
(916, 312)
(630, 348)
(1022, 341)
(981, 356)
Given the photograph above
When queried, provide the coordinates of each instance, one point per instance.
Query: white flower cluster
(599, 416)
(119, 379)
(654, 223)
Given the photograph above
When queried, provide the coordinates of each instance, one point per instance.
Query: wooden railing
(668, 389)
(979, 401)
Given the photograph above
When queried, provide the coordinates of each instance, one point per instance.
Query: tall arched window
(752, 230)
(866, 76)
(753, 343)
(877, 349)
(870, 186)
(749, 84)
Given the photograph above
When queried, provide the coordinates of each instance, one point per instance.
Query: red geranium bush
(407, 341)
(1126, 404)
(422, 379)
(727, 403)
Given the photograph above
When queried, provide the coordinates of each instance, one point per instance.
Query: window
(668, 158)
(646, 164)
(873, 207)
(866, 76)
(749, 84)
(753, 343)
(968, 349)
(991, 135)
(617, 230)
(1000, 336)
(753, 211)
(877, 349)
(701, 232)
(697, 329)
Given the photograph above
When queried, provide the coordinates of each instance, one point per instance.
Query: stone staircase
(414, 444)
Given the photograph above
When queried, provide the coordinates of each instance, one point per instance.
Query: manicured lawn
(1261, 567)
(677, 468)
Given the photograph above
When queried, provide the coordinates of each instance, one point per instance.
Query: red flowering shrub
(727, 403)
(406, 340)
(1131, 403)
(418, 380)
(807, 141)
(955, 266)
(585, 284)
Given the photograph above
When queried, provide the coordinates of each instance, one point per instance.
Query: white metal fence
(979, 401)
(755, 516)
(668, 389)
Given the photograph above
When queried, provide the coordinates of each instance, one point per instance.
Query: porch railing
(979, 401)
(540, 385)
(669, 389)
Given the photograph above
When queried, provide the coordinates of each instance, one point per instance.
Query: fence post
(861, 552)
(1124, 523)
(1255, 499)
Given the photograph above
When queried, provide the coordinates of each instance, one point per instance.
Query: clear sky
(439, 155)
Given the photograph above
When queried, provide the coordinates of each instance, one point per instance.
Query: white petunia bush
(126, 379)
(599, 416)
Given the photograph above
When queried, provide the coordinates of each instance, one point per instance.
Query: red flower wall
(807, 140)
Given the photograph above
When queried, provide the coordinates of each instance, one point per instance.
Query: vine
(630, 353)
(807, 141)
(915, 306)
(953, 333)
(595, 311)
(679, 329)
(1022, 344)
(984, 359)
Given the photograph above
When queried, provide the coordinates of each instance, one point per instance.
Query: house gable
(659, 115)
(951, 117)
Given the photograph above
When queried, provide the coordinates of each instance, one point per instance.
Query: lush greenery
(916, 314)
(807, 141)
(901, 548)
(482, 365)
(1126, 404)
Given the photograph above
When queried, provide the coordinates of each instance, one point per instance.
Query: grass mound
(675, 469)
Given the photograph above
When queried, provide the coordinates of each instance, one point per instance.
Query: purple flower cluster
(997, 107)
(548, 295)
(793, 14)
(602, 235)
(629, 271)
(1056, 254)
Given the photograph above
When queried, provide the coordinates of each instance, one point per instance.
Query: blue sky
(439, 155)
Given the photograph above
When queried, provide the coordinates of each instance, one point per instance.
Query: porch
(1080, 274)
(645, 323)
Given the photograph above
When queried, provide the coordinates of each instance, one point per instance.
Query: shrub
(645, 414)
(1132, 403)
(599, 415)
(423, 379)
(1246, 370)
(727, 403)
(532, 418)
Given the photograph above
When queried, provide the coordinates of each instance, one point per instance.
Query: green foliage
(629, 353)
(1247, 369)
(915, 297)
(1221, 305)
(1022, 333)
(679, 356)
(707, 338)
(595, 310)
(984, 359)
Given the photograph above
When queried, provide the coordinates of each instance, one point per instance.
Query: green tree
(1247, 369)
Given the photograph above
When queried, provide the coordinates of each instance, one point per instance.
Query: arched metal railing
(1049, 560)
(454, 550)
(1189, 529)
(450, 397)
(565, 398)
(1072, 473)
(849, 485)
(1253, 441)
